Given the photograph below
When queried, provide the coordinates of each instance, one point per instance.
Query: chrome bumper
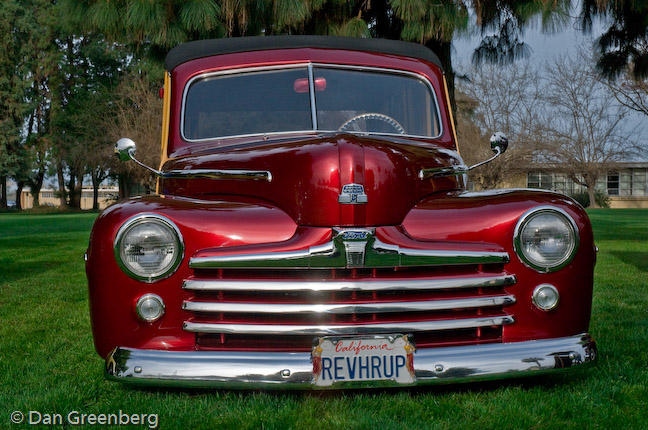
(249, 370)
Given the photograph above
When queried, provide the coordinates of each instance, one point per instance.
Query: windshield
(275, 101)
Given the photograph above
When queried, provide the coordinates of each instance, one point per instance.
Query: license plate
(367, 358)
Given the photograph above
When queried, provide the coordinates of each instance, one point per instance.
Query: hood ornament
(352, 194)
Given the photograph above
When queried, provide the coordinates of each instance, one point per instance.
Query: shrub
(602, 199)
(581, 198)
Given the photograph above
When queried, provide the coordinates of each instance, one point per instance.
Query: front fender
(491, 217)
(202, 224)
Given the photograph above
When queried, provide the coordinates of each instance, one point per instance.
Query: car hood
(309, 174)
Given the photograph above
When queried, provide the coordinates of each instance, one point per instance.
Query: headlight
(546, 238)
(148, 247)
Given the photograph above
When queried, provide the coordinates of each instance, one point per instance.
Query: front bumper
(249, 370)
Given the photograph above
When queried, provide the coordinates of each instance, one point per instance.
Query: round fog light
(545, 297)
(150, 307)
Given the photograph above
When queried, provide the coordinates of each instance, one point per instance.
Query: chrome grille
(261, 312)
(360, 281)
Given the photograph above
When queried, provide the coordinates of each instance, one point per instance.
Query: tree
(135, 112)
(15, 33)
(585, 126)
(495, 98)
(88, 70)
(629, 91)
(435, 22)
(151, 27)
(624, 45)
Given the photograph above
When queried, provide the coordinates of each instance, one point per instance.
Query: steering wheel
(349, 124)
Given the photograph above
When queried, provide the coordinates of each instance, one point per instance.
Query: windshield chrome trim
(309, 66)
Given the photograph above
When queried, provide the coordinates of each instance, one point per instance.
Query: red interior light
(301, 85)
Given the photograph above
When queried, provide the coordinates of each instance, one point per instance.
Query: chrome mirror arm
(499, 144)
(150, 169)
(498, 152)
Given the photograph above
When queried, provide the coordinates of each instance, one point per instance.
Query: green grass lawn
(48, 363)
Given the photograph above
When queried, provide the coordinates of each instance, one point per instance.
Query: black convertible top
(205, 48)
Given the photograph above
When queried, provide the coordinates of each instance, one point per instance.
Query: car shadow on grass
(636, 259)
(17, 270)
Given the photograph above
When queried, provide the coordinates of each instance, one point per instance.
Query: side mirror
(499, 142)
(499, 145)
(125, 149)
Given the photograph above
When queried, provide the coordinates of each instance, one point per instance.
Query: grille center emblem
(352, 194)
(355, 245)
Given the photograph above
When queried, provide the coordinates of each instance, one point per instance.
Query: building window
(539, 180)
(561, 183)
(639, 183)
(613, 183)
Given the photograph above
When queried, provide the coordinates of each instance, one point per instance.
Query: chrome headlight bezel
(144, 218)
(535, 297)
(528, 216)
(154, 297)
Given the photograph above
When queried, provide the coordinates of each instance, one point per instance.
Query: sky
(544, 47)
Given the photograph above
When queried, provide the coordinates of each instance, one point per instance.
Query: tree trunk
(35, 196)
(75, 185)
(95, 198)
(124, 189)
(387, 26)
(36, 187)
(19, 188)
(75, 201)
(61, 183)
(3, 192)
(591, 192)
(95, 190)
(79, 188)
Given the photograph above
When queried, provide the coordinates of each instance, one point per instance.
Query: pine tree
(624, 45)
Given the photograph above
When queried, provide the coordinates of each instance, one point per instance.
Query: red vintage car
(312, 229)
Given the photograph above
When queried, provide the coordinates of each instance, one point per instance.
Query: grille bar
(347, 329)
(349, 308)
(359, 285)
(368, 251)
